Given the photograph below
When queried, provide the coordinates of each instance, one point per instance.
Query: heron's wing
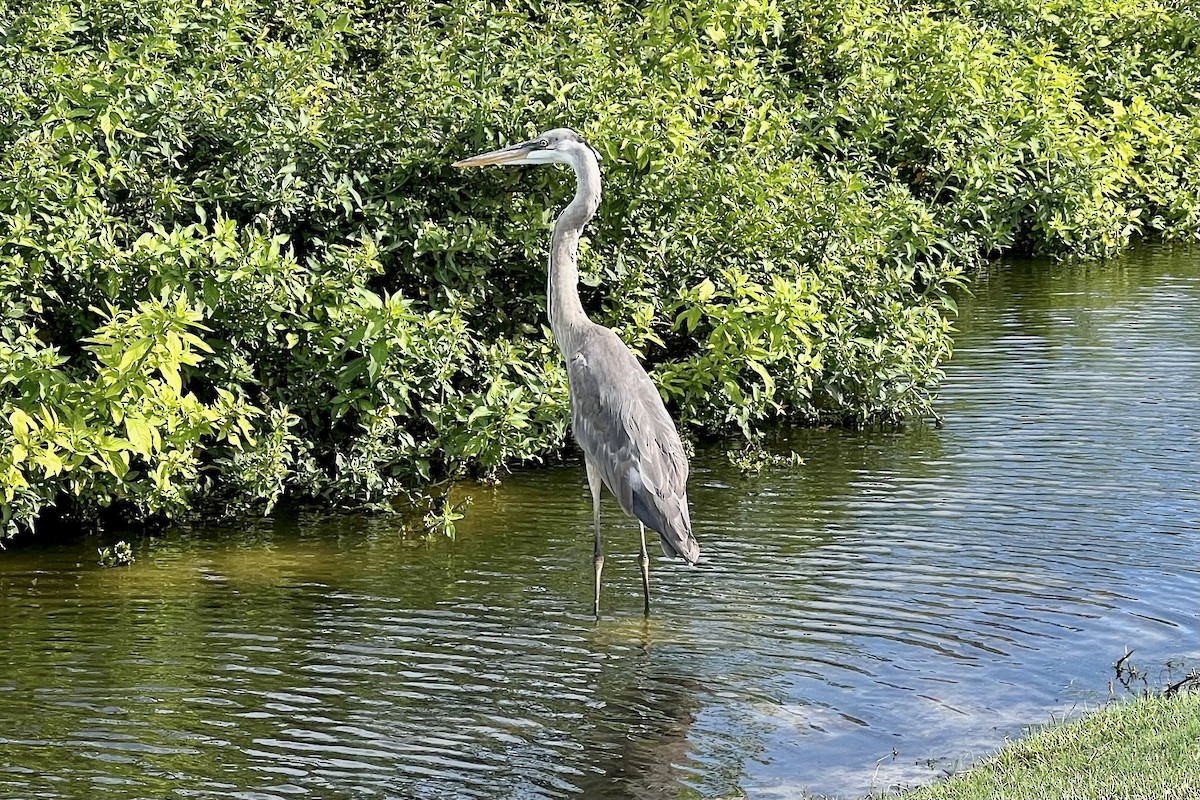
(626, 433)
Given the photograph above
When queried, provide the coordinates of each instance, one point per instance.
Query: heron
(629, 441)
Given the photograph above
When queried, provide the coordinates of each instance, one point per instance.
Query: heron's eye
(543, 143)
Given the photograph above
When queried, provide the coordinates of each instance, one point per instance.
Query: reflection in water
(904, 600)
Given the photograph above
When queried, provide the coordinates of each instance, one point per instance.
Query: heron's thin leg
(597, 553)
(644, 563)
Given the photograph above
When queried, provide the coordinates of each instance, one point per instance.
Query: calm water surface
(896, 606)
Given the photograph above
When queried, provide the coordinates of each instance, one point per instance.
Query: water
(892, 609)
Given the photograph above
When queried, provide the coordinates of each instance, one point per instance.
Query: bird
(629, 441)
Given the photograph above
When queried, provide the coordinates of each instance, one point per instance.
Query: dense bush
(235, 262)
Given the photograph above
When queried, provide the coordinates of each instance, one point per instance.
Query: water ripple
(905, 598)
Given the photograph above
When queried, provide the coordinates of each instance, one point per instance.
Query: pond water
(890, 610)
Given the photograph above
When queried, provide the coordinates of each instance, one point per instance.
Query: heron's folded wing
(626, 433)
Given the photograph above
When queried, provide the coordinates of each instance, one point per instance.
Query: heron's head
(559, 146)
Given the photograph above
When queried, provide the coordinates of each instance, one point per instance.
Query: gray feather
(621, 424)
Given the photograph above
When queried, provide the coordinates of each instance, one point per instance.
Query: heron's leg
(597, 552)
(644, 563)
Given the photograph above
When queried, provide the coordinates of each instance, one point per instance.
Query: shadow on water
(900, 603)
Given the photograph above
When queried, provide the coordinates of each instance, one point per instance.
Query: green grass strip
(1148, 748)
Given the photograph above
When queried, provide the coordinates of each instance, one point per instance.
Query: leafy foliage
(235, 262)
(119, 555)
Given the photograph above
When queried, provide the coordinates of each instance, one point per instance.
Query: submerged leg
(597, 553)
(644, 563)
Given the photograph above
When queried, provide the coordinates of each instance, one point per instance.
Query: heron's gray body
(628, 439)
(624, 430)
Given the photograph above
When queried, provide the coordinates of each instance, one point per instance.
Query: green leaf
(376, 359)
(141, 436)
(134, 353)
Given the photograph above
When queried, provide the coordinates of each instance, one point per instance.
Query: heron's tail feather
(686, 548)
(674, 530)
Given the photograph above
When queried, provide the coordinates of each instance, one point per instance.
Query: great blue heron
(628, 439)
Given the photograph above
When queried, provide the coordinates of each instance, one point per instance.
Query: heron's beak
(513, 154)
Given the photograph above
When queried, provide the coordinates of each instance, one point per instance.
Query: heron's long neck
(562, 280)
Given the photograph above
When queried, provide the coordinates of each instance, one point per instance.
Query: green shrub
(236, 264)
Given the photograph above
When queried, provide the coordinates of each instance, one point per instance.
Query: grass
(1142, 749)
